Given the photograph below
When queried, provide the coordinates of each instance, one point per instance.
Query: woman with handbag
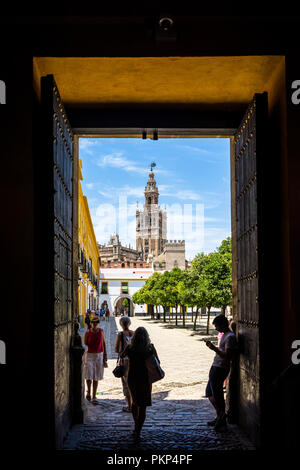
(95, 357)
(122, 340)
(138, 351)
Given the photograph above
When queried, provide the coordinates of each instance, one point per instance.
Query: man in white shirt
(219, 370)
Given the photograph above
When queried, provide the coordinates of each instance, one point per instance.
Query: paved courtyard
(179, 412)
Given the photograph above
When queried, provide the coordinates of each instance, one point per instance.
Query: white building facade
(119, 284)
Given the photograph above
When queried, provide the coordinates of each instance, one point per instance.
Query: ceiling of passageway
(189, 80)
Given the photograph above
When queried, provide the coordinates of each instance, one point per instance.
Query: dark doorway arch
(118, 306)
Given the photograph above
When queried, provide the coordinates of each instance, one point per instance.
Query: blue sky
(193, 179)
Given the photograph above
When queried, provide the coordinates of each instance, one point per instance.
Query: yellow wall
(88, 243)
(202, 80)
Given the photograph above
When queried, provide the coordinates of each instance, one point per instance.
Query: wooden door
(249, 163)
(58, 145)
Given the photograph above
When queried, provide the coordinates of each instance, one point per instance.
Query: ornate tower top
(151, 190)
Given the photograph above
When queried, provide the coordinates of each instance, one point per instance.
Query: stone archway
(118, 305)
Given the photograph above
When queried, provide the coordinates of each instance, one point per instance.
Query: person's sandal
(88, 397)
(212, 422)
(137, 436)
(127, 409)
(221, 425)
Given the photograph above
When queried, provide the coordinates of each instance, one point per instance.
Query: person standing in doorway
(122, 340)
(225, 353)
(95, 358)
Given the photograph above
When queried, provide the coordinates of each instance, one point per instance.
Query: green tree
(138, 297)
(206, 294)
(199, 262)
(164, 292)
(219, 274)
(207, 284)
(215, 277)
(209, 298)
(186, 291)
(175, 278)
(202, 297)
(126, 304)
(151, 291)
(148, 293)
(225, 247)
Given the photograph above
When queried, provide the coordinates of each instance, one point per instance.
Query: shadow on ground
(170, 425)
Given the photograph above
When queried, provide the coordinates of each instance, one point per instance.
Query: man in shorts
(225, 352)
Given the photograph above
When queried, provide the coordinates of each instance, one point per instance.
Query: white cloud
(213, 236)
(188, 194)
(182, 194)
(211, 240)
(112, 159)
(195, 149)
(113, 192)
(104, 221)
(109, 193)
(131, 191)
(88, 146)
(117, 160)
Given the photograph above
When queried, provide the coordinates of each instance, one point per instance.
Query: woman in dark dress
(138, 350)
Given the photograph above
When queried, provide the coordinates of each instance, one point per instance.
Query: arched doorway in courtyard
(124, 304)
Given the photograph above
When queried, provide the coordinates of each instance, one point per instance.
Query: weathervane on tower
(153, 164)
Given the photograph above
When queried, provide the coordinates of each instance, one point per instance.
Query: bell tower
(151, 223)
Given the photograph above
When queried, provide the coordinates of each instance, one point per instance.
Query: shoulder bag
(119, 370)
(155, 372)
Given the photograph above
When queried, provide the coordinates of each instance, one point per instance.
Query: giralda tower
(151, 222)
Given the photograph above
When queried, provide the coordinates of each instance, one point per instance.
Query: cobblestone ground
(179, 412)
